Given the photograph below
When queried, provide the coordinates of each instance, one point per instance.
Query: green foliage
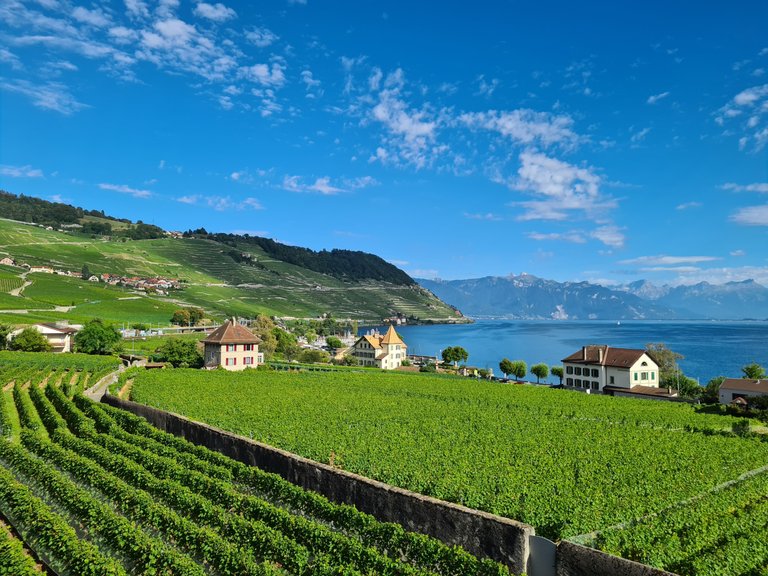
(98, 228)
(753, 371)
(666, 360)
(334, 342)
(263, 327)
(506, 366)
(180, 353)
(359, 416)
(181, 317)
(13, 560)
(429, 367)
(5, 329)
(711, 392)
(558, 372)
(519, 369)
(454, 355)
(98, 337)
(143, 231)
(85, 272)
(540, 371)
(29, 340)
(310, 356)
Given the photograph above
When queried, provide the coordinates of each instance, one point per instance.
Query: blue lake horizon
(710, 348)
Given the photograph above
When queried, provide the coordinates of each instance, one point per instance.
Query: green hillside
(237, 278)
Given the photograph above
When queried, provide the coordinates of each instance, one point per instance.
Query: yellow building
(387, 352)
(232, 347)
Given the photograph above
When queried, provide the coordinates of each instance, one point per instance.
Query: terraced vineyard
(650, 481)
(96, 491)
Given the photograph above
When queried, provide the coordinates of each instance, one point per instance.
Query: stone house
(386, 352)
(233, 347)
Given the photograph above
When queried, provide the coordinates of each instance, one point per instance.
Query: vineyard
(93, 490)
(655, 482)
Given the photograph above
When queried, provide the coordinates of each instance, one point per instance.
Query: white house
(617, 371)
(233, 347)
(59, 335)
(734, 388)
(387, 352)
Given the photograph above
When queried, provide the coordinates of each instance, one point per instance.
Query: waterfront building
(386, 352)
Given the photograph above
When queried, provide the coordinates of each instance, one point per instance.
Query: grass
(214, 281)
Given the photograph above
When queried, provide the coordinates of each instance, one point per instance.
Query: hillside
(236, 278)
(531, 298)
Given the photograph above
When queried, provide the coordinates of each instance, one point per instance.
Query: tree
(540, 371)
(310, 356)
(667, 361)
(85, 273)
(558, 371)
(334, 342)
(753, 371)
(181, 353)
(196, 315)
(310, 336)
(96, 337)
(5, 329)
(181, 317)
(519, 369)
(428, 367)
(30, 340)
(688, 387)
(506, 367)
(711, 393)
(455, 354)
(263, 326)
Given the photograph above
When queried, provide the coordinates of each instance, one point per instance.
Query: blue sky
(573, 141)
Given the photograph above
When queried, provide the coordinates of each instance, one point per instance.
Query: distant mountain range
(529, 297)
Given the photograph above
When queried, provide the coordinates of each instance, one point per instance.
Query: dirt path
(20, 289)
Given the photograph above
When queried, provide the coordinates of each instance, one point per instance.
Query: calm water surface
(710, 348)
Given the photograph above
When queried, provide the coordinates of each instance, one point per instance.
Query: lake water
(710, 348)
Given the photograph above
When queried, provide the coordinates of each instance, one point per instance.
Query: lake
(710, 348)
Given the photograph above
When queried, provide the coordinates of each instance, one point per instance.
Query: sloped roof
(643, 391)
(746, 385)
(391, 337)
(616, 357)
(374, 341)
(232, 333)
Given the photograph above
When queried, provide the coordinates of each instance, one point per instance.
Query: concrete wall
(482, 534)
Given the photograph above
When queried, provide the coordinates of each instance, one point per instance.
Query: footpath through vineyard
(93, 490)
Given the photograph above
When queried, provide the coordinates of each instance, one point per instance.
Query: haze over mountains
(529, 297)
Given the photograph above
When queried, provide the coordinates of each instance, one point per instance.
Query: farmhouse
(59, 335)
(615, 371)
(733, 389)
(387, 352)
(233, 347)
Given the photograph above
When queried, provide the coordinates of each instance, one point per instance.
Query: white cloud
(749, 106)
(562, 188)
(189, 199)
(21, 171)
(216, 12)
(756, 187)
(736, 274)
(225, 203)
(524, 126)
(609, 235)
(688, 205)
(486, 87)
(124, 189)
(136, 8)
(261, 37)
(50, 96)
(738, 253)
(263, 74)
(664, 260)
(10, 58)
(488, 216)
(428, 273)
(573, 237)
(95, 17)
(639, 136)
(320, 185)
(751, 216)
(656, 97)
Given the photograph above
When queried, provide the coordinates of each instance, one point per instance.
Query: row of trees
(95, 337)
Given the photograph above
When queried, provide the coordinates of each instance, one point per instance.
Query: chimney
(600, 354)
(584, 353)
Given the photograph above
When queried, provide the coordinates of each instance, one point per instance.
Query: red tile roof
(746, 385)
(605, 356)
(232, 333)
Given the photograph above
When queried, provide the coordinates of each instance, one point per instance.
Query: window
(578, 382)
(248, 347)
(635, 376)
(569, 369)
(595, 386)
(644, 376)
(594, 372)
(569, 381)
(231, 347)
(577, 371)
(611, 379)
(248, 360)
(231, 361)
(653, 375)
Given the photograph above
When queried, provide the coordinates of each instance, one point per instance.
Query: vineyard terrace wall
(481, 533)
